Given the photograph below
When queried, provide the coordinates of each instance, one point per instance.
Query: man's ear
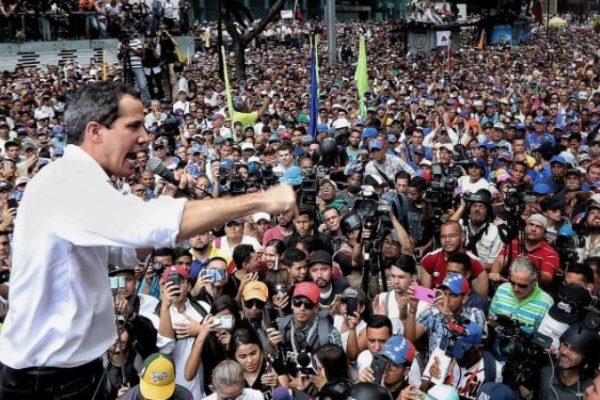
(93, 132)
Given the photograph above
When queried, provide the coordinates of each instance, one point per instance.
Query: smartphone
(12, 203)
(116, 283)
(378, 365)
(175, 279)
(425, 294)
(224, 322)
(351, 298)
(214, 274)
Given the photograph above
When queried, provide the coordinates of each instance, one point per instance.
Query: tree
(242, 28)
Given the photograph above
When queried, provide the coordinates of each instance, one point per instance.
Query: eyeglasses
(299, 303)
(254, 303)
(156, 148)
(520, 285)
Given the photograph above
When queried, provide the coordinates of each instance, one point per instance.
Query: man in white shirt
(179, 327)
(72, 223)
(228, 380)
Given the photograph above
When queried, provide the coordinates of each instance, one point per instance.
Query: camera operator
(536, 249)
(130, 50)
(482, 238)
(449, 305)
(434, 263)
(575, 367)
(521, 298)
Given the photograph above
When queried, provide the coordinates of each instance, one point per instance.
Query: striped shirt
(529, 312)
(544, 256)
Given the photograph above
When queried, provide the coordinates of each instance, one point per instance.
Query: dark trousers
(78, 383)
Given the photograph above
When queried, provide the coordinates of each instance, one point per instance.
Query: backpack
(324, 328)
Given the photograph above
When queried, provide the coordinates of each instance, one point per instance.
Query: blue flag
(314, 95)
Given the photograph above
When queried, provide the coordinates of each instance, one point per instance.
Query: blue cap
(375, 144)
(520, 126)
(456, 283)
(237, 220)
(391, 138)
(471, 337)
(540, 120)
(558, 159)
(584, 148)
(566, 230)
(398, 350)
(495, 391)
(292, 176)
(59, 151)
(464, 114)
(274, 138)
(196, 149)
(478, 162)
(322, 128)
(226, 163)
(491, 146)
(541, 188)
(369, 133)
(575, 121)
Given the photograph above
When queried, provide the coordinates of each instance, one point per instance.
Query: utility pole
(331, 43)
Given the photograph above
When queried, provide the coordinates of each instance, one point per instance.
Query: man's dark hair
(217, 258)
(285, 146)
(164, 251)
(402, 175)
(292, 255)
(462, 259)
(584, 270)
(97, 102)
(306, 209)
(241, 254)
(376, 321)
(313, 243)
(405, 263)
(10, 144)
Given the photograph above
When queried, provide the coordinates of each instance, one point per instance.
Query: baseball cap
(471, 337)
(418, 149)
(320, 257)
(310, 290)
(227, 164)
(447, 146)
(398, 350)
(5, 185)
(22, 180)
(180, 269)
(593, 202)
(116, 269)
(540, 219)
(541, 188)
(329, 181)
(425, 162)
(570, 302)
(322, 128)
(495, 391)
(274, 138)
(237, 220)
(157, 379)
(196, 149)
(559, 160)
(369, 133)
(375, 144)
(259, 216)
(247, 146)
(478, 162)
(583, 157)
(540, 120)
(255, 290)
(292, 176)
(456, 283)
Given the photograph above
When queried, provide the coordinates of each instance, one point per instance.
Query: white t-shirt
(467, 381)
(338, 320)
(388, 299)
(246, 239)
(466, 186)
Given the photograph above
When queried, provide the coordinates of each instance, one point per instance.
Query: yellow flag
(104, 66)
(361, 77)
(227, 84)
(481, 43)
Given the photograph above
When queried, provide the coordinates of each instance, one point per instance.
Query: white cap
(254, 159)
(259, 216)
(425, 162)
(20, 180)
(247, 146)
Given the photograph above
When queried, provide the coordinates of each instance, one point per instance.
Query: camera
(370, 209)
(223, 322)
(169, 127)
(4, 276)
(567, 246)
(440, 192)
(214, 274)
(158, 267)
(524, 353)
(351, 300)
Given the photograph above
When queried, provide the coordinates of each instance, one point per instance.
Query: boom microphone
(157, 167)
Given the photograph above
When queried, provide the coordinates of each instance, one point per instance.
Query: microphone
(157, 167)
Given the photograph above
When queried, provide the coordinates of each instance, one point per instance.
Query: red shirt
(435, 265)
(544, 257)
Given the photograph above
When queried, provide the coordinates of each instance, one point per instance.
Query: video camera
(309, 189)
(524, 352)
(567, 246)
(371, 210)
(169, 127)
(439, 194)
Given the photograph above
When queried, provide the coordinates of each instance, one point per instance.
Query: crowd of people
(446, 241)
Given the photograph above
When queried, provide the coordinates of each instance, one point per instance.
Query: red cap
(181, 270)
(309, 290)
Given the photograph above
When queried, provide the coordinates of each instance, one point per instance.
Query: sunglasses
(254, 303)
(299, 303)
(156, 148)
(520, 285)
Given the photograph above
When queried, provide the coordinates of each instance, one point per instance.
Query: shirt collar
(85, 162)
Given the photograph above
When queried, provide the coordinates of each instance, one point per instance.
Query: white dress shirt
(71, 224)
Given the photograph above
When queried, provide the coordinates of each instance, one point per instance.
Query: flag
(361, 77)
(227, 84)
(314, 95)
(536, 10)
(104, 66)
(443, 38)
(298, 12)
(207, 39)
(481, 43)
